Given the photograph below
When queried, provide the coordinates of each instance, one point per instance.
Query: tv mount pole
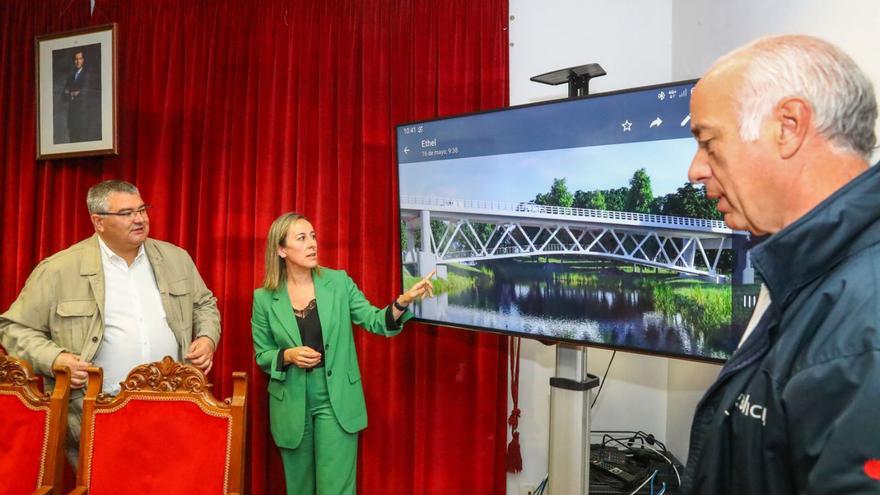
(569, 470)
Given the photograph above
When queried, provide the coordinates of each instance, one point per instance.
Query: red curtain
(232, 112)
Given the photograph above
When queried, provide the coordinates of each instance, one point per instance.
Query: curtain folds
(231, 113)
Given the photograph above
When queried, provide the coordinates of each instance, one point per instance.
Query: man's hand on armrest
(201, 353)
(78, 375)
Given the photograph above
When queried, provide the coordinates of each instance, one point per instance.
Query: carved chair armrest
(80, 490)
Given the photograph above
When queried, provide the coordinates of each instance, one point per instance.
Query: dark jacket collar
(844, 223)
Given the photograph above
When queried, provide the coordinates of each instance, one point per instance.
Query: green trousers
(325, 463)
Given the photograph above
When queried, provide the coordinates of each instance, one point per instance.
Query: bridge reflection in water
(625, 316)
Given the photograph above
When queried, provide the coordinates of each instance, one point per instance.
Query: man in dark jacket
(76, 95)
(785, 128)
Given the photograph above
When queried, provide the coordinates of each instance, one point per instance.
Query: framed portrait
(76, 93)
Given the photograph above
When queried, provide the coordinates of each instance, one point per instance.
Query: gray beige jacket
(61, 307)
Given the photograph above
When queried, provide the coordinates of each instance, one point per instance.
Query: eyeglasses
(127, 213)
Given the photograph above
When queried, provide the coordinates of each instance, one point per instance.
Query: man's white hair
(840, 94)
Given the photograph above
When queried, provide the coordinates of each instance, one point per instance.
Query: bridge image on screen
(573, 221)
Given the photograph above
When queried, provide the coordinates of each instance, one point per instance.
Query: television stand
(569, 471)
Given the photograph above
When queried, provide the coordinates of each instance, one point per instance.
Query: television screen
(573, 221)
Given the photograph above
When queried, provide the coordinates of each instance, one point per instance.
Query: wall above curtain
(230, 113)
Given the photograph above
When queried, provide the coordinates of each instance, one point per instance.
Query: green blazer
(340, 304)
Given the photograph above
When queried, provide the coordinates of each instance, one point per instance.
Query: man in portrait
(75, 94)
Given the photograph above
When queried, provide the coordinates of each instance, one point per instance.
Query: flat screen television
(573, 221)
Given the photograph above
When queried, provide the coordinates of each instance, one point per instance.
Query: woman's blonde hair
(276, 271)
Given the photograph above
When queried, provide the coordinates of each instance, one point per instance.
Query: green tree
(639, 196)
(403, 245)
(658, 204)
(483, 231)
(438, 228)
(559, 195)
(598, 202)
(590, 199)
(615, 199)
(691, 201)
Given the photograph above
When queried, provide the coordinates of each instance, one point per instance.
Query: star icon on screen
(627, 125)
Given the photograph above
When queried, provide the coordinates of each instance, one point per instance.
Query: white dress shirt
(135, 329)
(760, 308)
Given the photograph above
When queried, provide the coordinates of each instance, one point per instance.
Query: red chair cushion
(22, 440)
(159, 446)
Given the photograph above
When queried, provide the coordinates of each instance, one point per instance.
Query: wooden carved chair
(164, 433)
(33, 426)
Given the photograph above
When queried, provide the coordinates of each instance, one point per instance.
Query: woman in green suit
(302, 328)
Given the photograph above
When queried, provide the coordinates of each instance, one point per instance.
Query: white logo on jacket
(744, 405)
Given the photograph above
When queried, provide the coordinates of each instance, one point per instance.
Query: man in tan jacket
(115, 300)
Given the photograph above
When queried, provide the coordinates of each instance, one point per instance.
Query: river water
(611, 309)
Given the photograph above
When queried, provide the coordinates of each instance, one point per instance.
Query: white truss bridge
(687, 245)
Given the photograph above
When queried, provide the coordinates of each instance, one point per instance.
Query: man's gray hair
(99, 193)
(840, 94)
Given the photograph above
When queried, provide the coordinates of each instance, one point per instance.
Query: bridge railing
(502, 206)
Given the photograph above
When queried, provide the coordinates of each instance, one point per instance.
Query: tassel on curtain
(514, 453)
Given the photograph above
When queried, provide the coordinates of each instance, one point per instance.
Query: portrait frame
(76, 93)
